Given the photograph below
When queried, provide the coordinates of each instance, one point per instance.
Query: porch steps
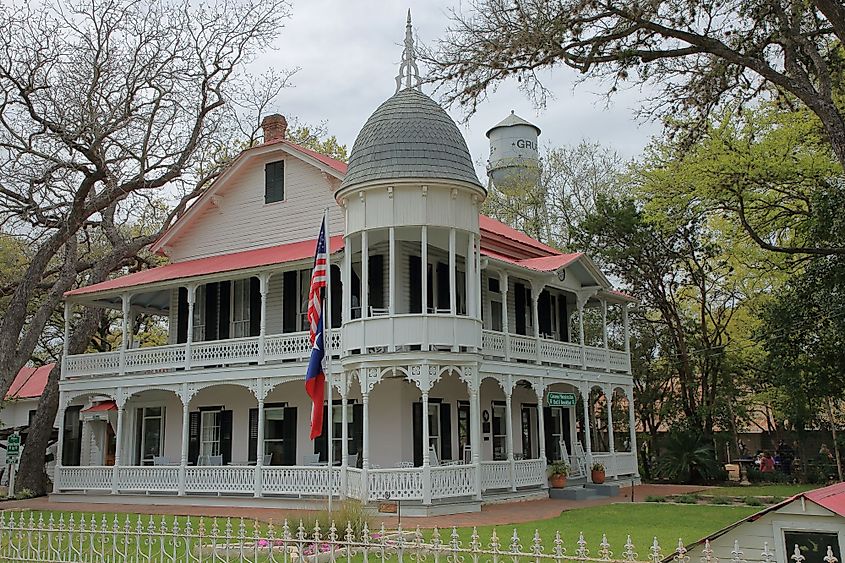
(588, 491)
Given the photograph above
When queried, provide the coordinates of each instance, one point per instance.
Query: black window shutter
(274, 181)
(211, 311)
(567, 437)
(139, 433)
(253, 434)
(544, 304)
(442, 286)
(445, 431)
(226, 436)
(415, 273)
(337, 297)
(289, 434)
(563, 318)
(225, 314)
(182, 316)
(254, 307)
(193, 437)
(551, 447)
(519, 307)
(417, 424)
(429, 294)
(376, 273)
(321, 440)
(357, 428)
(290, 296)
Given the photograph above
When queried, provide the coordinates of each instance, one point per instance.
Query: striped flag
(315, 377)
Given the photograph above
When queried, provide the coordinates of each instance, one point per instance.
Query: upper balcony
(381, 302)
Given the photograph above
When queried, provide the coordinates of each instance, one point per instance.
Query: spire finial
(408, 71)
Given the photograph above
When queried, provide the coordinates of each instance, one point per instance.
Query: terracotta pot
(597, 476)
(558, 481)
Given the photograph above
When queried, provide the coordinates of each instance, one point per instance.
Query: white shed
(811, 521)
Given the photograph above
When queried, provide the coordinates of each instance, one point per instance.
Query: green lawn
(642, 521)
(774, 490)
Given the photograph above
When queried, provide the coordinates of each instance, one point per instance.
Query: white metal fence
(136, 538)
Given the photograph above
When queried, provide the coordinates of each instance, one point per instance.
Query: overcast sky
(349, 53)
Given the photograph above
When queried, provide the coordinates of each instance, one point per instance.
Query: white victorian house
(451, 333)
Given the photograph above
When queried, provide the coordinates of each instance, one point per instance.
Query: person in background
(767, 463)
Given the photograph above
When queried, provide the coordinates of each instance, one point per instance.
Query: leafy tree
(698, 55)
(317, 139)
(111, 113)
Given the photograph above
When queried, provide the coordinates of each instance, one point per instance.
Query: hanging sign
(556, 399)
(13, 448)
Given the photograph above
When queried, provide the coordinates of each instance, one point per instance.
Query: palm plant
(687, 457)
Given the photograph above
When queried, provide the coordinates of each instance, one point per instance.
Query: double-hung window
(274, 181)
(210, 433)
(151, 433)
(240, 308)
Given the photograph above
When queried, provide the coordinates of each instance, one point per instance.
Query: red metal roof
(832, 497)
(327, 160)
(102, 406)
(498, 234)
(30, 382)
(271, 255)
(551, 263)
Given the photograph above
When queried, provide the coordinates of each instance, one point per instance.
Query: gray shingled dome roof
(409, 136)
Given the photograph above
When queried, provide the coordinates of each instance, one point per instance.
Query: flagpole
(327, 343)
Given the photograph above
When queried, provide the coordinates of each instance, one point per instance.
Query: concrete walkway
(490, 515)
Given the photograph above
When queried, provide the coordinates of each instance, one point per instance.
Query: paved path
(491, 515)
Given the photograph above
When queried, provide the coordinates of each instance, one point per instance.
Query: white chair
(378, 311)
(467, 454)
(310, 459)
(215, 460)
(405, 464)
(433, 460)
(267, 459)
(160, 460)
(351, 460)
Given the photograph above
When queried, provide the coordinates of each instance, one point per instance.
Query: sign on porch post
(556, 399)
(13, 451)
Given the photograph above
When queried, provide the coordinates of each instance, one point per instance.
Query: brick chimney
(274, 127)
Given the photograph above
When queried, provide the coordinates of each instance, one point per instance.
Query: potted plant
(597, 473)
(558, 471)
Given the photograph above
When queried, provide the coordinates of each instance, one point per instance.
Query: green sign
(561, 399)
(13, 448)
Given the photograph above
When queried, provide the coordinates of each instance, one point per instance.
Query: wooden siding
(243, 221)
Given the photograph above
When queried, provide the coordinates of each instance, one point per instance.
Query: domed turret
(409, 136)
(514, 159)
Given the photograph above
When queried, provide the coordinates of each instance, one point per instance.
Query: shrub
(687, 499)
(721, 500)
(559, 468)
(775, 500)
(753, 501)
(655, 498)
(24, 494)
(757, 476)
(688, 458)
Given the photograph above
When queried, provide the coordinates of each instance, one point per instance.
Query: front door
(557, 424)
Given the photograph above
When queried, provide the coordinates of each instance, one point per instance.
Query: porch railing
(452, 481)
(306, 481)
(529, 473)
(146, 478)
(495, 475)
(232, 351)
(403, 483)
(519, 347)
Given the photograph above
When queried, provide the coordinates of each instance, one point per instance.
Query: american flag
(315, 378)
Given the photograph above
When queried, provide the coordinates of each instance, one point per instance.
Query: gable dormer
(271, 194)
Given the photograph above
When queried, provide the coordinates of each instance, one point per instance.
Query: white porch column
(426, 445)
(477, 275)
(424, 273)
(189, 340)
(582, 301)
(632, 429)
(264, 287)
(391, 282)
(540, 391)
(453, 291)
(125, 300)
(509, 431)
(118, 441)
(365, 445)
(183, 452)
(536, 288)
(588, 442)
(475, 431)
(365, 277)
(611, 441)
(259, 447)
(470, 276)
(627, 330)
(344, 438)
(61, 442)
(346, 279)
(604, 334)
(503, 289)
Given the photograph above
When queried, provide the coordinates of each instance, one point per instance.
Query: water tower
(514, 159)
